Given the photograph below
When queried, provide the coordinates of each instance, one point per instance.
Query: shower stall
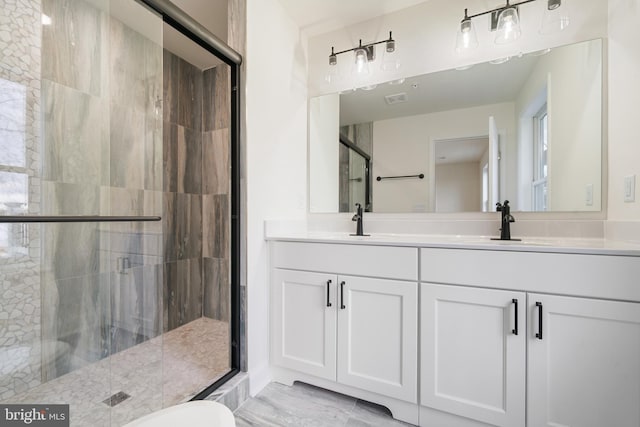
(119, 208)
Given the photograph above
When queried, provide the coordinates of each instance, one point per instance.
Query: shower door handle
(12, 219)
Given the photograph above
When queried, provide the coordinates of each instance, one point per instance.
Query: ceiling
(460, 150)
(319, 16)
(443, 91)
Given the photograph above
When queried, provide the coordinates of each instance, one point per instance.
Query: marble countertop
(527, 244)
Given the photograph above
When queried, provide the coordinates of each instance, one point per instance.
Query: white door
(473, 353)
(585, 368)
(378, 336)
(494, 164)
(304, 322)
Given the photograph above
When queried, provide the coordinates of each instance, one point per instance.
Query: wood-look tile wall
(215, 191)
(196, 192)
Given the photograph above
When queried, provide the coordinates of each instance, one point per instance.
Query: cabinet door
(472, 361)
(377, 336)
(304, 322)
(585, 368)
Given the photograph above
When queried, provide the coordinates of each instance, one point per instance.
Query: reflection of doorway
(459, 166)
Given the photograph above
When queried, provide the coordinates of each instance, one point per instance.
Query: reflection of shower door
(355, 181)
(358, 178)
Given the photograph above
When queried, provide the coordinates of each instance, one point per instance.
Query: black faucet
(358, 217)
(507, 219)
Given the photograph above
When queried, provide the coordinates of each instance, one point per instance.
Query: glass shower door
(81, 136)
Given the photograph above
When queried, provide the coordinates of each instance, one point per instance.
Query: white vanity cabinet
(473, 353)
(508, 337)
(583, 362)
(330, 320)
(580, 356)
(304, 320)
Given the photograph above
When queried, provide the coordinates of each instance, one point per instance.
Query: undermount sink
(490, 240)
(522, 242)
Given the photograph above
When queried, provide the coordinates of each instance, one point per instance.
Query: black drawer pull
(515, 331)
(328, 290)
(342, 306)
(539, 334)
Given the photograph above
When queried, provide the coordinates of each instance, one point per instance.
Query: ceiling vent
(396, 98)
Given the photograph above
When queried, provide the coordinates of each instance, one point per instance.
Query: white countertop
(527, 244)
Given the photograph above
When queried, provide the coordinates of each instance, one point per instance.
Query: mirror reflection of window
(540, 167)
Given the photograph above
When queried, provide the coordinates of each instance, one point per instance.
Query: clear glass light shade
(555, 18)
(508, 26)
(389, 61)
(362, 63)
(467, 38)
(332, 74)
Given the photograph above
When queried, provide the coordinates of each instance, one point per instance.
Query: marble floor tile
(162, 371)
(306, 405)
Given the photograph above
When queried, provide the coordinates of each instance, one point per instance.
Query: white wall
(276, 113)
(459, 187)
(324, 134)
(572, 77)
(624, 95)
(402, 147)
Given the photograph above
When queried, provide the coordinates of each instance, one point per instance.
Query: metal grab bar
(79, 218)
(380, 178)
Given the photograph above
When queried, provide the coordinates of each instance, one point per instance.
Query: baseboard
(258, 379)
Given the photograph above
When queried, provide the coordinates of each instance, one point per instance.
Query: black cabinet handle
(515, 331)
(328, 290)
(539, 334)
(342, 306)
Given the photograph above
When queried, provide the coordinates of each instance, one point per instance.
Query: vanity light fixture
(364, 54)
(505, 21)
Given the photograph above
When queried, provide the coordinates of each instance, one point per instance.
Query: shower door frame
(190, 28)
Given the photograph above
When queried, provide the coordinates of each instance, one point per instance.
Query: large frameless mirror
(527, 129)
